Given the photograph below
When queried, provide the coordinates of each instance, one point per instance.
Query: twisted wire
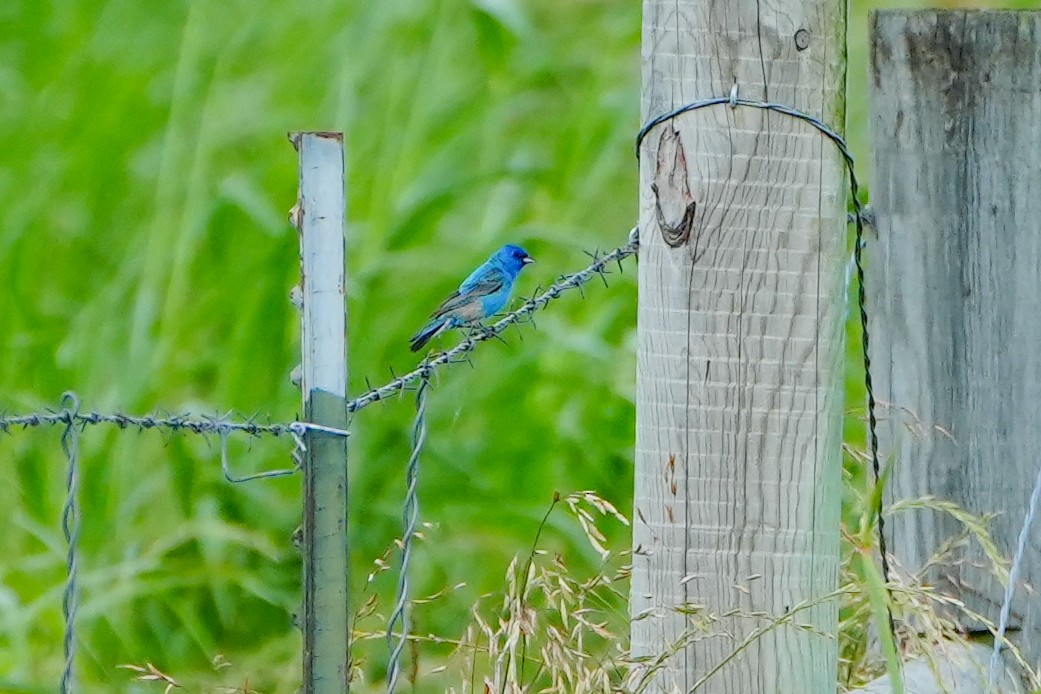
(70, 525)
(1013, 577)
(179, 422)
(410, 518)
(858, 218)
(221, 426)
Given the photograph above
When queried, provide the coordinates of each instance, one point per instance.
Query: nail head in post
(802, 40)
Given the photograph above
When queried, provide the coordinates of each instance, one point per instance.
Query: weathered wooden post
(740, 377)
(956, 188)
(320, 216)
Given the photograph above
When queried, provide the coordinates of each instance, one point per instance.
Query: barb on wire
(410, 517)
(70, 525)
(860, 217)
(461, 352)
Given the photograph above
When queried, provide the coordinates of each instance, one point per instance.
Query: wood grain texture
(740, 340)
(320, 215)
(956, 275)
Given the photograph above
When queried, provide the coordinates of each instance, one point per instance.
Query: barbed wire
(195, 424)
(410, 517)
(221, 426)
(224, 425)
(859, 218)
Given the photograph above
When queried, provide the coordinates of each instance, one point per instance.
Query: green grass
(145, 261)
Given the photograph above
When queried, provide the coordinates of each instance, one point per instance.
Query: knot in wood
(674, 205)
(802, 40)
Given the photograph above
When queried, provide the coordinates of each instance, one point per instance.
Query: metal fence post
(320, 217)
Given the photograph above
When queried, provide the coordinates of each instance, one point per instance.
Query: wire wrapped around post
(859, 218)
(410, 518)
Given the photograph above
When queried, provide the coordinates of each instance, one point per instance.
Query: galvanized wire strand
(1013, 577)
(225, 466)
(410, 517)
(859, 217)
(851, 266)
(178, 422)
(70, 525)
(221, 426)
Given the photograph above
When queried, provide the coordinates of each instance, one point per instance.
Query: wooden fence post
(740, 347)
(956, 188)
(320, 216)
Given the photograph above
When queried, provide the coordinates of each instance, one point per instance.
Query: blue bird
(480, 296)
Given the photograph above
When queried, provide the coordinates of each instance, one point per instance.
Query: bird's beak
(528, 259)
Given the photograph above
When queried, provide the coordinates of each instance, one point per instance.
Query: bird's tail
(428, 332)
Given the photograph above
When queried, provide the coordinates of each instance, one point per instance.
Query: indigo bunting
(480, 296)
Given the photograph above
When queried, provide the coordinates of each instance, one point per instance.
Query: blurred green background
(145, 262)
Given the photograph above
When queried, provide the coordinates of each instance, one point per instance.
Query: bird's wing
(467, 298)
(487, 274)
